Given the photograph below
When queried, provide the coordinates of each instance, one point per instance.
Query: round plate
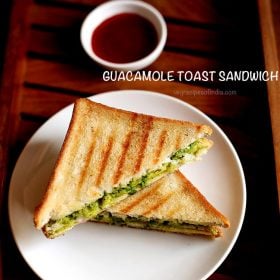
(110, 252)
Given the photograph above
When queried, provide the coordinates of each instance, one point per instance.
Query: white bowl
(112, 8)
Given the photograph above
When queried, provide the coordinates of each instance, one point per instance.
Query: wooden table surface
(45, 69)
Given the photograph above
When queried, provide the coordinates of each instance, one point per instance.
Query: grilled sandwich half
(171, 204)
(109, 154)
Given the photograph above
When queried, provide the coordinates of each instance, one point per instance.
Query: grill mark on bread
(87, 161)
(74, 147)
(125, 148)
(141, 197)
(173, 210)
(161, 141)
(105, 157)
(178, 142)
(147, 126)
(157, 205)
(186, 189)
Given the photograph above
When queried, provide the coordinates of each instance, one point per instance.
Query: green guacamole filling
(142, 222)
(56, 227)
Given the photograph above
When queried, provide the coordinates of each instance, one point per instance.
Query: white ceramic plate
(95, 251)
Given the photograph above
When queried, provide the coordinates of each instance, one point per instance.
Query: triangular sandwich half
(109, 154)
(171, 204)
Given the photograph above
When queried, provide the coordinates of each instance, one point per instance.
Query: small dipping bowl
(109, 10)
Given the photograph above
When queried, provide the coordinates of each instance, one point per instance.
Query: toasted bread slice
(109, 154)
(171, 204)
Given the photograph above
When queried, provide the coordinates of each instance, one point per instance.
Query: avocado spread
(56, 227)
(164, 225)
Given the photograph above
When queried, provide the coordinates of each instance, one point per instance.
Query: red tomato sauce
(124, 38)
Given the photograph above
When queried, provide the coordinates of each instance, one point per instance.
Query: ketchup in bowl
(124, 38)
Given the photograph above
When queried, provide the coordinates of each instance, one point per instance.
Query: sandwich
(171, 204)
(109, 154)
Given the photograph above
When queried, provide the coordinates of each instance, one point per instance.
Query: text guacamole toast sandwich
(109, 154)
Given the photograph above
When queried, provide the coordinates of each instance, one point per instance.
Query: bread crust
(104, 147)
(40, 208)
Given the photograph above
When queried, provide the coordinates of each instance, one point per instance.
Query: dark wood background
(43, 69)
